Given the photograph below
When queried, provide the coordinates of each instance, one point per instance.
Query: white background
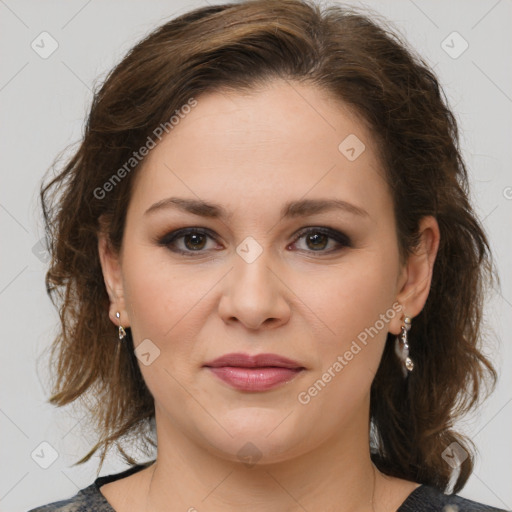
(43, 105)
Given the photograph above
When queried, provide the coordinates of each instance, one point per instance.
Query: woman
(267, 266)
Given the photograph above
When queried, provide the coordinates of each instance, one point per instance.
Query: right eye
(187, 240)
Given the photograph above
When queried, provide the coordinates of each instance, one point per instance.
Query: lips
(257, 373)
(240, 360)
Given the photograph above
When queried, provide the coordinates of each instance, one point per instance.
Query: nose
(254, 295)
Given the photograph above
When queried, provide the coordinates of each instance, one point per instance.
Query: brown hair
(368, 67)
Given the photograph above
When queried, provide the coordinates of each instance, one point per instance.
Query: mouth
(254, 379)
(257, 373)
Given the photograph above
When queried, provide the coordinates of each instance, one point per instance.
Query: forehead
(276, 143)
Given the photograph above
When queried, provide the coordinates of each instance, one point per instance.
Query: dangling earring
(122, 332)
(402, 348)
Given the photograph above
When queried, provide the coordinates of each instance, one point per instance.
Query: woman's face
(274, 272)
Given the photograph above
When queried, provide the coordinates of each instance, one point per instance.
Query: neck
(337, 474)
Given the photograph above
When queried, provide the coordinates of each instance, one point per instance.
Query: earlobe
(416, 276)
(112, 277)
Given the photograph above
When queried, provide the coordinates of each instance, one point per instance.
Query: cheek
(167, 303)
(163, 304)
(352, 309)
(349, 297)
(157, 295)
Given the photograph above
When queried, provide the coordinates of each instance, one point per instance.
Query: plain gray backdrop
(44, 98)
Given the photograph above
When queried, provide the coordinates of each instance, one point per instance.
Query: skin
(251, 153)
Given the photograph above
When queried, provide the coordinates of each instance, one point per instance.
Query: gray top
(423, 499)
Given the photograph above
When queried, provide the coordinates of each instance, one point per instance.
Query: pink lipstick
(260, 372)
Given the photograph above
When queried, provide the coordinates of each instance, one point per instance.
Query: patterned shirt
(422, 499)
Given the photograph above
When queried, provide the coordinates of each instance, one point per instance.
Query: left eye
(317, 239)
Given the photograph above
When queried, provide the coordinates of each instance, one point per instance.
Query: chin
(257, 439)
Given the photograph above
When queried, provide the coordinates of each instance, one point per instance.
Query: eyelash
(167, 240)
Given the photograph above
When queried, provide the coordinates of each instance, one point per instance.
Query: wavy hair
(364, 63)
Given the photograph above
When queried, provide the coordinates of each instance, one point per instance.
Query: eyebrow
(300, 208)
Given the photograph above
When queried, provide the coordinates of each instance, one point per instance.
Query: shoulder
(85, 500)
(429, 499)
(90, 498)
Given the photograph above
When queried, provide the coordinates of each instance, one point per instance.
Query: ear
(416, 274)
(112, 276)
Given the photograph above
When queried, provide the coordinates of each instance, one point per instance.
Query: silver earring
(122, 332)
(402, 348)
